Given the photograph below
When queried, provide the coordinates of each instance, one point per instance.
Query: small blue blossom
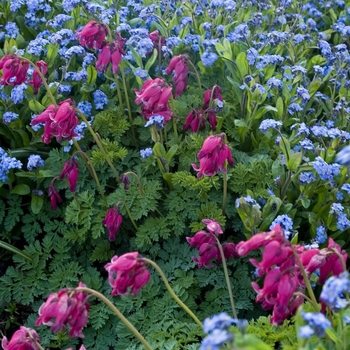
(38, 192)
(157, 120)
(346, 188)
(343, 157)
(85, 107)
(343, 223)
(268, 124)
(7, 163)
(306, 177)
(333, 288)
(145, 153)
(219, 321)
(8, 117)
(208, 58)
(303, 93)
(100, 99)
(139, 72)
(324, 170)
(317, 321)
(306, 144)
(321, 235)
(305, 332)
(339, 196)
(293, 108)
(336, 208)
(34, 161)
(64, 88)
(17, 93)
(11, 30)
(286, 223)
(249, 200)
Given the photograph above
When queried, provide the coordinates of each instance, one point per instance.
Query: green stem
(37, 344)
(91, 169)
(306, 280)
(227, 278)
(138, 180)
(117, 313)
(43, 79)
(224, 196)
(195, 71)
(174, 120)
(119, 92)
(176, 298)
(99, 144)
(128, 103)
(129, 213)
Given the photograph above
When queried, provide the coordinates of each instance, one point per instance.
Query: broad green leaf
(21, 189)
(92, 75)
(294, 161)
(36, 106)
(280, 107)
(242, 64)
(151, 60)
(36, 203)
(263, 110)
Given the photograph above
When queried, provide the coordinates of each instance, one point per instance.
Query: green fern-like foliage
(111, 123)
(281, 337)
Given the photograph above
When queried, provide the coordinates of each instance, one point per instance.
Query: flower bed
(201, 147)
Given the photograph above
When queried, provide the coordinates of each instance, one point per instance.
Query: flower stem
(119, 92)
(129, 213)
(224, 196)
(128, 103)
(43, 79)
(175, 297)
(38, 345)
(99, 144)
(227, 278)
(138, 180)
(117, 313)
(90, 167)
(306, 280)
(195, 71)
(174, 120)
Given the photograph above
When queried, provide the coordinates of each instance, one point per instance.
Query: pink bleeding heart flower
(213, 155)
(66, 308)
(54, 196)
(127, 274)
(113, 220)
(93, 35)
(70, 170)
(195, 121)
(23, 339)
(178, 66)
(36, 81)
(14, 70)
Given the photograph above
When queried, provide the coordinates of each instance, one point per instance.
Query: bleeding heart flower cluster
(127, 274)
(178, 66)
(68, 308)
(23, 339)
(206, 243)
(213, 102)
(154, 96)
(283, 277)
(213, 155)
(59, 121)
(113, 220)
(93, 36)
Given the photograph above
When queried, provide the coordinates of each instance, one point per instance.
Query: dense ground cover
(198, 134)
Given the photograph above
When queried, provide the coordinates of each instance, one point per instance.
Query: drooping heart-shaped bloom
(70, 170)
(36, 80)
(14, 70)
(178, 66)
(213, 155)
(65, 308)
(111, 53)
(206, 243)
(54, 196)
(195, 121)
(154, 97)
(127, 274)
(59, 121)
(282, 270)
(157, 40)
(93, 35)
(23, 339)
(112, 220)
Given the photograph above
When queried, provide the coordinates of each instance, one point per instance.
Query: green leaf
(36, 203)
(92, 75)
(151, 60)
(242, 64)
(136, 56)
(52, 50)
(294, 161)
(280, 107)
(44, 173)
(262, 110)
(15, 250)
(36, 106)
(305, 202)
(171, 152)
(334, 337)
(21, 189)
